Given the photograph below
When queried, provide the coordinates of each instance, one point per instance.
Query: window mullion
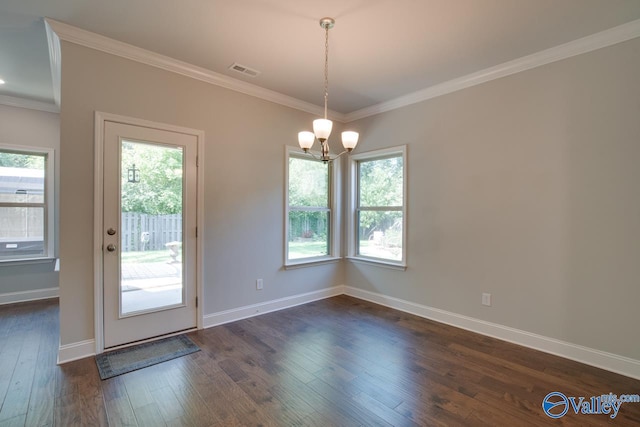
(380, 208)
(309, 209)
(22, 205)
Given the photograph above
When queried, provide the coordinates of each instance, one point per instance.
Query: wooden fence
(142, 232)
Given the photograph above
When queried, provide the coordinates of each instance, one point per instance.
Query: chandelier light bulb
(322, 129)
(349, 140)
(305, 139)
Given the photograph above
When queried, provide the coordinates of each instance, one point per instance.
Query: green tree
(308, 188)
(381, 185)
(15, 160)
(159, 191)
(308, 183)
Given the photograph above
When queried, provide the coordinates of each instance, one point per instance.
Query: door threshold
(156, 338)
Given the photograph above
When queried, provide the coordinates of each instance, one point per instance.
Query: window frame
(48, 204)
(354, 206)
(334, 224)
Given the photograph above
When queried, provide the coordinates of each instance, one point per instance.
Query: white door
(149, 236)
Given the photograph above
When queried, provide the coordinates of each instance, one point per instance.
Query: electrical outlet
(259, 284)
(486, 299)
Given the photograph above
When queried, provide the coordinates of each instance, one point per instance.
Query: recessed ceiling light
(1, 82)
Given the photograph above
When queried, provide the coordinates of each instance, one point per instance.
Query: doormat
(140, 356)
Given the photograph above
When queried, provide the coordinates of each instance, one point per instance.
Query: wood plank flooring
(335, 362)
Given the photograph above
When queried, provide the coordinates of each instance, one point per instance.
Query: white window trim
(49, 193)
(352, 241)
(335, 225)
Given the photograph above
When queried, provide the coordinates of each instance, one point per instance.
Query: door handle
(111, 231)
(111, 247)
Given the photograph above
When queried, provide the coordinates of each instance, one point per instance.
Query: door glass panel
(151, 188)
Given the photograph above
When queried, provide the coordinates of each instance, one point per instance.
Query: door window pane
(151, 237)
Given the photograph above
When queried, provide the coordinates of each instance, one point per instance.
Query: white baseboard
(76, 350)
(247, 311)
(82, 349)
(589, 356)
(24, 296)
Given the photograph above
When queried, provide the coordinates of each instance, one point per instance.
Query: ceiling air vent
(244, 70)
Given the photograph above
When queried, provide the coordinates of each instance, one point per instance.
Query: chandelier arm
(310, 153)
(344, 152)
(328, 158)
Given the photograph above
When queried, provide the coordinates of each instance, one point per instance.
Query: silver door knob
(111, 247)
(111, 231)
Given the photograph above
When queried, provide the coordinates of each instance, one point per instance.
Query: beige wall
(244, 171)
(526, 187)
(30, 128)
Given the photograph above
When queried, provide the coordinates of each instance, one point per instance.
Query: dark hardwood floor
(339, 361)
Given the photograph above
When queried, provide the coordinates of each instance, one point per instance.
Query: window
(377, 223)
(26, 203)
(310, 223)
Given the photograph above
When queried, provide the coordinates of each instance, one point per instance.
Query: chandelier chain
(326, 69)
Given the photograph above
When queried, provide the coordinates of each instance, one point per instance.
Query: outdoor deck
(150, 284)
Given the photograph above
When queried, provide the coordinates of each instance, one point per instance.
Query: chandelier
(322, 127)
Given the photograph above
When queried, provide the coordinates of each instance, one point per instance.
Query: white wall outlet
(259, 284)
(486, 299)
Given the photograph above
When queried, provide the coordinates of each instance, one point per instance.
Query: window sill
(25, 261)
(311, 263)
(378, 263)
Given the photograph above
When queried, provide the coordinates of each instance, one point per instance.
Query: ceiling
(379, 50)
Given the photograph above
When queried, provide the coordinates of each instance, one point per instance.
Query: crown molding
(30, 104)
(586, 44)
(91, 40)
(95, 41)
(55, 61)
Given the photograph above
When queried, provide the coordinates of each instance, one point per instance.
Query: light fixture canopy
(322, 127)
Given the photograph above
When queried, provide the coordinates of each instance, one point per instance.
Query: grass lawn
(147, 256)
(307, 249)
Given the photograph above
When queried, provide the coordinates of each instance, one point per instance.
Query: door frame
(98, 205)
